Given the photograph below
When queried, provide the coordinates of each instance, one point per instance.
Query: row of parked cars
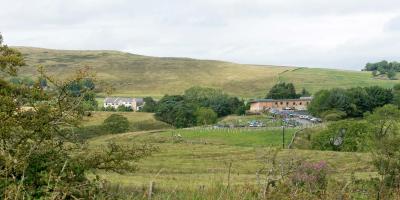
(311, 118)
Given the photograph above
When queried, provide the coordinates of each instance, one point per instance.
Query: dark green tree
(149, 105)
(282, 91)
(396, 95)
(116, 124)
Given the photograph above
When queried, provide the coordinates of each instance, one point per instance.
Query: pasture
(201, 157)
(140, 76)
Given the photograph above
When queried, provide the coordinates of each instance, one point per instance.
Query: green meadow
(205, 160)
(203, 157)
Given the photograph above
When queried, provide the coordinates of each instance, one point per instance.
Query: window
(301, 103)
(281, 103)
(287, 103)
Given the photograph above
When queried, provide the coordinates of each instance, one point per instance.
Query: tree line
(197, 106)
(353, 102)
(383, 68)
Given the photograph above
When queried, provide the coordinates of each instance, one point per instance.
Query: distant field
(135, 75)
(97, 118)
(203, 157)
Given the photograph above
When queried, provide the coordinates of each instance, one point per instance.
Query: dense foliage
(383, 67)
(40, 157)
(185, 110)
(346, 135)
(116, 124)
(150, 105)
(282, 91)
(286, 91)
(353, 102)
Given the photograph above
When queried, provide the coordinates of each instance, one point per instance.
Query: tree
(385, 138)
(328, 100)
(396, 95)
(40, 157)
(378, 96)
(391, 74)
(345, 135)
(175, 111)
(206, 116)
(116, 123)
(305, 93)
(149, 105)
(354, 101)
(282, 91)
(359, 101)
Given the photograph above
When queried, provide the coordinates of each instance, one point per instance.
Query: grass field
(135, 75)
(97, 118)
(203, 157)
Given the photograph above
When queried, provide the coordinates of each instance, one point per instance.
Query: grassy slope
(137, 75)
(204, 156)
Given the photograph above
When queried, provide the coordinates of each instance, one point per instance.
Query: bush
(206, 116)
(333, 115)
(311, 176)
(342, 136)
(149, 105)
(116, 124)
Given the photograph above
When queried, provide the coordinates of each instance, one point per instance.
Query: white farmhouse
(135, 103)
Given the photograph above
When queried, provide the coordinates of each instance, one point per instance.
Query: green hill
(136, 75)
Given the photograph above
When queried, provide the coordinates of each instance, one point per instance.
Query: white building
(134, 103)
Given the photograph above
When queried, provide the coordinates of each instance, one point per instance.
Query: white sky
(312, 33)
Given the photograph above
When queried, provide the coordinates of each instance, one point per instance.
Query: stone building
(260, 105)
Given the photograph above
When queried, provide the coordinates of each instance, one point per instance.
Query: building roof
(278, 100)
(116, 100)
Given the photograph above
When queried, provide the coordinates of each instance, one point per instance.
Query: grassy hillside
(136, 75)
(203, 157)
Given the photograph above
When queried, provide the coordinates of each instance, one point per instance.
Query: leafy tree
(305, 93)
(359, 101)
(116, 123)
(175, 111)
(282, 91)
(206, 116)
(378, 96)
(346, 135)
(220, 102)
(396, 95)
(383, 67)
(149, 105)
(354, 101)
(385, 139)
(327, 100)
(391, 74)
(40, 157)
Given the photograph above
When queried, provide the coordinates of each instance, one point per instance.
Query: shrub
(116, 124)
(342, 136)
(333, 115)
(206, 116)
(311, 176)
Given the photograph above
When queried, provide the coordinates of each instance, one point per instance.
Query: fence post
(151, 186)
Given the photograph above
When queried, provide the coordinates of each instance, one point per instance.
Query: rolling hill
(137, 75)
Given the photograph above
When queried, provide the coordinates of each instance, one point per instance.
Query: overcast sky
(312, 33)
